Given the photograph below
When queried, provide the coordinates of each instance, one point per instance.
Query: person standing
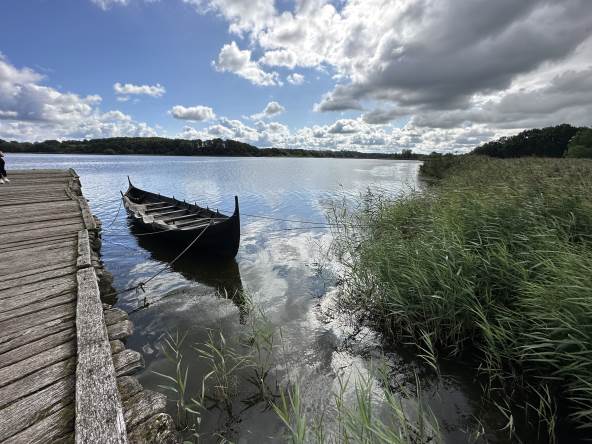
(3, 178)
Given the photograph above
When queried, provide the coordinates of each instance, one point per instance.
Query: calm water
(280, 264)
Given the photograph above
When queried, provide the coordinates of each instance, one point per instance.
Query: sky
(368, 75)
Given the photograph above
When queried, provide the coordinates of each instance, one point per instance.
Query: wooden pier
(64, 370)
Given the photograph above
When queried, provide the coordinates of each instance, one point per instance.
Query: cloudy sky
(371, 75)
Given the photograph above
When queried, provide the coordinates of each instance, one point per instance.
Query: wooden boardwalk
(63, 367)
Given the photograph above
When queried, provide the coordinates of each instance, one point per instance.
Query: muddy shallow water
(283, 268)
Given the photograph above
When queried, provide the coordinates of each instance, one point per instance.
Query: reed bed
(495, 260)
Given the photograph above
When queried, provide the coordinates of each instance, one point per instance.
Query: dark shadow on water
(221, 274)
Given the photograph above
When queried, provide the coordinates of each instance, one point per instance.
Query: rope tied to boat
(142, 284)
(116, 214)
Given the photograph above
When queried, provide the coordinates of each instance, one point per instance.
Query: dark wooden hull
(179, 223)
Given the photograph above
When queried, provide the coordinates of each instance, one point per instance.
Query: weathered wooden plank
(33, 192)
(37, 381)
(32, 307)
(27, 277)
(120, 330)
(12, 238)
(26, 411)
(36, 249)
(60, 257)
(42, 172)
(159, 429)
(31, 251)
(127, 362)
(49, 287)
(30, 365)
(41, 226)
(12, 327)
(49, 240)
(114, 315)
(19, 300)
(89, 220)
(39, 346)
(83, 250)
(36, 300)
(8, 203)
(28, 210)
(99, 415)
(55, 428)
(128, 386)
(142, 406)
(31, 334)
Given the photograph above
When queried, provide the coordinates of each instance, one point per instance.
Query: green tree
(581, 144)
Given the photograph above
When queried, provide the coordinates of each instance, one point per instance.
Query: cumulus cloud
(295, 79)
(445, 65)
(106, 4)
(232, 59)
(242, 15)
(30, 110)
(280, 57)
(194, 113)
(272, 109)
(337, 101)
(344, 126)
(346, 134)
(130, 89)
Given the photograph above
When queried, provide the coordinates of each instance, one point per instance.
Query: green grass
(497, 257)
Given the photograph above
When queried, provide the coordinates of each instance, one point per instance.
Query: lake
(282, 266)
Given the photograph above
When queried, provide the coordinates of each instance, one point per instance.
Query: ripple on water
(284, 270)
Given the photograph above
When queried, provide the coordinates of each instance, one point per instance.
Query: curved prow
(236, 209)
(130, 182)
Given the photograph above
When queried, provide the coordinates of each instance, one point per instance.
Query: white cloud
(344, 126)
(195, 113)
(425, 61)
(346, 134)
(242, 15)
(106, 4)
(130, 89)
(272, 109)
(295, 79)
(279, 57)
(232, 59)
(33, 111)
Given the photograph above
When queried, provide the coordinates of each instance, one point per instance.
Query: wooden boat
(180, 222)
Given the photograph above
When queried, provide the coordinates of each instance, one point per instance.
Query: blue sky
(373, 75)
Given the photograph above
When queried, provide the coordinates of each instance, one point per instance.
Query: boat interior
(178, 214)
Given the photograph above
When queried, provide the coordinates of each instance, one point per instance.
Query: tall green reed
(497, 258)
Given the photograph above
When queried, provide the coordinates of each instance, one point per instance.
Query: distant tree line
(581, 144)
(553, 141)
(182, 147)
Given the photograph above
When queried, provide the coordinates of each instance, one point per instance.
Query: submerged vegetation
(495, 262)
(243, 373)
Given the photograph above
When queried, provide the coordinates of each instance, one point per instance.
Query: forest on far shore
(182, 147)
(555, 141)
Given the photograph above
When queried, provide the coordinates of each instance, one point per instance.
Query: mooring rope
(141, 285)
(116, 214)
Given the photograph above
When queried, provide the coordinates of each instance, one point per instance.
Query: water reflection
(220, 274)
(276, 265)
